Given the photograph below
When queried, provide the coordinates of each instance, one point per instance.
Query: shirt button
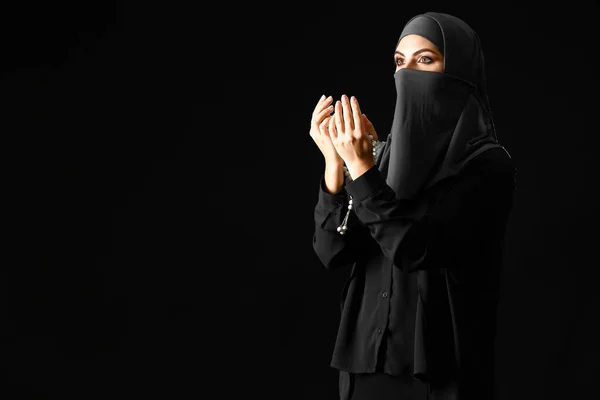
(384, 294)
(379, 330)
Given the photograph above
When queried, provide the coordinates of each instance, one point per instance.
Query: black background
(161, 183)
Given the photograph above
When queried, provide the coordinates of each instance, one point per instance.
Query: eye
(428, 60)
(399, 62)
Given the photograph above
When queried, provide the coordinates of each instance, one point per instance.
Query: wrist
(334, 163)
(358, 169)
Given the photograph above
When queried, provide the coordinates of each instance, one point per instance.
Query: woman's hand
(318, 130)
(349, 131)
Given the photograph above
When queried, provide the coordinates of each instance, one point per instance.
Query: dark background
(161, 183)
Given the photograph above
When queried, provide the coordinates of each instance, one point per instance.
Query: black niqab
(442, 120)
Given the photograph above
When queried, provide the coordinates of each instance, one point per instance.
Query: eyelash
(430, 60)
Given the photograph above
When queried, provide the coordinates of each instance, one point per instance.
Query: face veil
(442, 120)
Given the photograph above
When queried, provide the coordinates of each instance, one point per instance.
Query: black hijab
(442, 120)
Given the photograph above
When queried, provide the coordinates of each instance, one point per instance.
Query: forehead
(414, 42)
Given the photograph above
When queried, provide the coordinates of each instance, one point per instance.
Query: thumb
(369, 126)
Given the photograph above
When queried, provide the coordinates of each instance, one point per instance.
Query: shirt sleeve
(332, 249)
(452, 217)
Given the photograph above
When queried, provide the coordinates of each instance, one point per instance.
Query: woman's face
(416, 52)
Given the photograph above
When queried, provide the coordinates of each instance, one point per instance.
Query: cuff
(365, 185)
(329, 200)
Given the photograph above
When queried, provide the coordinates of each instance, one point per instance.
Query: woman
(420, 218)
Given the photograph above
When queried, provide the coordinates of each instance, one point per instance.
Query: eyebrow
(417, 52)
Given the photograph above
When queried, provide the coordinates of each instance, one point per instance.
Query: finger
(348, 120)
(369, 127)
(332, 128)
(366, 123)
(326, 101)
(339, 123)
(322, 104)
(324, 125)
(325, 112)
(356, 114)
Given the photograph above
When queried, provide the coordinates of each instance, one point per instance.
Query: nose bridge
(411, 63)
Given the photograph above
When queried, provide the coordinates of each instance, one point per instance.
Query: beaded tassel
(376, 148)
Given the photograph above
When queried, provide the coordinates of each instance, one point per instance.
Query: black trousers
(381, 386)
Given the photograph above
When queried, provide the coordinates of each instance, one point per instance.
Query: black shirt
(421, 295)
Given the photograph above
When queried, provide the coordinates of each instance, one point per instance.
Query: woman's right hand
(319, 125)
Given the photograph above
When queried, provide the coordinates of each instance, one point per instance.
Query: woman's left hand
(349, 137)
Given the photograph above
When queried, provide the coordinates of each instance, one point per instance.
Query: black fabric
(380, 386)
(422, 289)
(427, 27)
(442, 120)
